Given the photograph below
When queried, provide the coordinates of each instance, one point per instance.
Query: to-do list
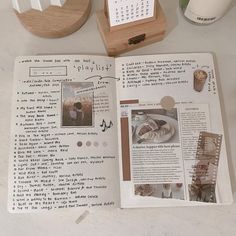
(126, 11)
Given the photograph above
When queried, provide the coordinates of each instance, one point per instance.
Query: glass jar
(204, 12)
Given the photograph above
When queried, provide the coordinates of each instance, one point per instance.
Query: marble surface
(219, 38)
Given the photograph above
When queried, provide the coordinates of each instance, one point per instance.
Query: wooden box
(120, 39)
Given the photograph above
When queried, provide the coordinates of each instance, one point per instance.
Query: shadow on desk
(233, 4)
(170, 8)
(226, 127)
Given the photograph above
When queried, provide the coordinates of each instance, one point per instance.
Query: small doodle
(106, 126)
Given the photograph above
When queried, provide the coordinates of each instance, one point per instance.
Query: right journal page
(172, 142)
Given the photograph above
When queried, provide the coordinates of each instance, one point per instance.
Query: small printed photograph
(154, 126)
(77, 104)
(206, 171)
(172, 191)
(208, 146)
(202, 192)
(199, 79)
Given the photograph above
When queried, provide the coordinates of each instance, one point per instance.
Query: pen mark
(99, 77)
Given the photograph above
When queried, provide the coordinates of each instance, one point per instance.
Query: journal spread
(94, 131)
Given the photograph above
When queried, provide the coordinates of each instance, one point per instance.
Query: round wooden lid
(56, 22)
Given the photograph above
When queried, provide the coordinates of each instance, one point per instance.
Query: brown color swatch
(125, 149)
(126, 102)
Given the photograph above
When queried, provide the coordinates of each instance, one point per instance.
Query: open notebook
(93, 131)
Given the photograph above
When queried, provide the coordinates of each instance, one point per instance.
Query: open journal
(94, 131)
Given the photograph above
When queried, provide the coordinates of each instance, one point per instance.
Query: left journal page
(63, 136)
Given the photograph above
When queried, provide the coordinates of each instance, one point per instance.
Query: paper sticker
(203, 184)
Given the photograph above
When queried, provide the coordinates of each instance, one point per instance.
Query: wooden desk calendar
(120, 38)
(55, 21)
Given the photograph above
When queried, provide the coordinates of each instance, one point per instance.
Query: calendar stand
(123, 38)
(56, 22)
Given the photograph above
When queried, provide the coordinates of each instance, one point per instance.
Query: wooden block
(135, 36)
(56, 22)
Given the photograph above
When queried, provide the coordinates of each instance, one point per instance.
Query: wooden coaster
(133, 35)
(56, 22)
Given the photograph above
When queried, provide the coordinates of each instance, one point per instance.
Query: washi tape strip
(205, 170)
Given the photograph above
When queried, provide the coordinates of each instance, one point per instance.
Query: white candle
(25, 5)
(204, 11)
(40, 4)
(58, 2)
(21, 5)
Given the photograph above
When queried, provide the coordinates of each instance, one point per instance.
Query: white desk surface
(219, 38)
